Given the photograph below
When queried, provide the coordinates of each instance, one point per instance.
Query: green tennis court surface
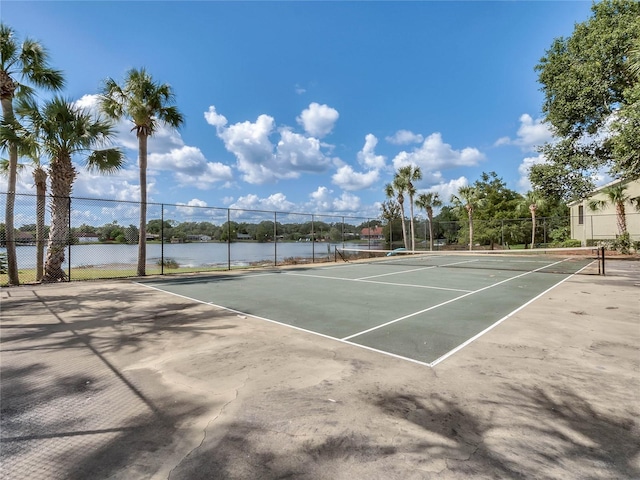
(421, 313)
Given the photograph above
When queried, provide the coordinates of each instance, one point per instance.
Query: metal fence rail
(101, 236)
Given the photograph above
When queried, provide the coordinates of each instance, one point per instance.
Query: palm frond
(105, 161)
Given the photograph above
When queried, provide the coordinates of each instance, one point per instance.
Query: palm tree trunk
(62, 174)
(413, 233)
(470, 213)
(142, 240)
(40, 178)
(621, 218)
(12, 261)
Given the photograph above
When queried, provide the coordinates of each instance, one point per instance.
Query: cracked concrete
(111, 380)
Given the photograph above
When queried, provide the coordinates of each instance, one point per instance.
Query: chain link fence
(96, 239)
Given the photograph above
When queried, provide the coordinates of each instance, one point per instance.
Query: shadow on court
(114, 380)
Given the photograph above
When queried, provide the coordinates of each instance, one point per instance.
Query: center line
(448, 301)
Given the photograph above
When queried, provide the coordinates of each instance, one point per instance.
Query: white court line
(344, 340)
(409, 285)
(416, 270)
(288, 325)
(491, 327)
(447, 302)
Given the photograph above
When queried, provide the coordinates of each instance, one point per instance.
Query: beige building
(591, 227)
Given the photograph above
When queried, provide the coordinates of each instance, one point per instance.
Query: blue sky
(311, 106)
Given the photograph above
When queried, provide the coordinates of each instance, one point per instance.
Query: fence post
(275, 239)
(162, 239)
(313, 241)
(228, 239)
(69, 240)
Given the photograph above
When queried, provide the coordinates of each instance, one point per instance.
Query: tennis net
(565, 261)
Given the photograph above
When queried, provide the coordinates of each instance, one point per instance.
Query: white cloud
(213, 118)
(275, 202)
(446, 189)
(524, 185)
(347, 203)
(250, 144)
(367, 156)
(531, 134)
(347, 179)
(190, 167)
(300, 153)
(122, 185)
(404, 137)
(318, 120)
(188, 208)
(259, 160)
(434, 154)
(323, 201)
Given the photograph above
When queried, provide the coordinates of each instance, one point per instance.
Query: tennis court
(421, 308)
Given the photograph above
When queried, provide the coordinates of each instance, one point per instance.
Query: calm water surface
(186, 254)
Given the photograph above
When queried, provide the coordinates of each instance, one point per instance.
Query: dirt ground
(113, 380)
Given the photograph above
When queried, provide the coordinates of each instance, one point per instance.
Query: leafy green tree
(625, 143)
(587, 82)
(498, 205)
(145, 103)
(229, 231)
(264, 231)
(427, 202)
(21, 65)
(131, 234)
(65, 131)
(446, 224)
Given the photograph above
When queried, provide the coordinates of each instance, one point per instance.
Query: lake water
(185, 254)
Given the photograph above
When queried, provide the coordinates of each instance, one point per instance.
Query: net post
(602, 259)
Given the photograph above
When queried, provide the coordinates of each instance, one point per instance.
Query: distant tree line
(171, 230)
(499, 215)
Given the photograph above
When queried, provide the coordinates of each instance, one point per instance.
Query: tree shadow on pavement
(542, 430)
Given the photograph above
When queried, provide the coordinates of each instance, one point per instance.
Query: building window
(580, 215)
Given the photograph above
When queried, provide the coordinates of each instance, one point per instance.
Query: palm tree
(468, 199)
(427, 202)
(20, 65)
(410, 174)
(65, 131)
(26, 142)
(617, 196)
(532, 201)
(396, 191)
(144, 102)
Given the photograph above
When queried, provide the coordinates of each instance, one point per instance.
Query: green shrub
(567, 244)
(622, 243)
(167, 263)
